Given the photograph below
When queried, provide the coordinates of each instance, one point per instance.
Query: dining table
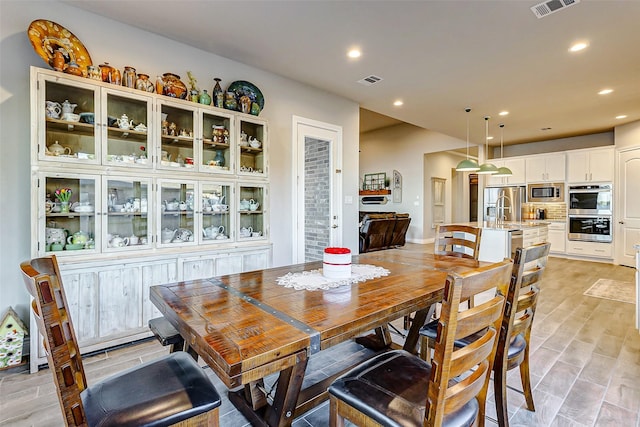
(247, 326)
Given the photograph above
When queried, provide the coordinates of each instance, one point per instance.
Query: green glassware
(205, 98)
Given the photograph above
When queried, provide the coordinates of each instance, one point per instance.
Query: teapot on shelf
(78, 238)
(56, 149)
(118, 242)
(167, 235)
(246, 231)
(253, 205)
(53, 109)
(124, 123)
(254, 142)
(173, 205)
(67, 107)
(244, 204)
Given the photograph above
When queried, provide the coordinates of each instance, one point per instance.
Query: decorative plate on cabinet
(47, 37)
(243, 88)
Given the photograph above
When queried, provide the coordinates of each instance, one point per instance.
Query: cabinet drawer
(604, 250)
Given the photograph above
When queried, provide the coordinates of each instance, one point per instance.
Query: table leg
(252, 403)
(419, 319)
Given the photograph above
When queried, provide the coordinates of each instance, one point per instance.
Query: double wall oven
(590, 213)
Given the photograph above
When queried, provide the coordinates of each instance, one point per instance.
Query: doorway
(628, 206)
(318, 188)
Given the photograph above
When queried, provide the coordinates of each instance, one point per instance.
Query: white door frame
(303, 128)
(623, 250)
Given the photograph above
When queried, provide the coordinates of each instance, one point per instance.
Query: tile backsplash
(554, 210)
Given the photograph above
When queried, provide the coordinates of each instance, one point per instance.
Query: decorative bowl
(87, 118)
(74, 246)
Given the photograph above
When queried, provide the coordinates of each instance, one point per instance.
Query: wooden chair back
(451, 241)
(42, 279)
(461, 374)
(529, 265)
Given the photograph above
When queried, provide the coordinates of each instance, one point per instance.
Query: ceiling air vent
(370, 80)
(548, 7)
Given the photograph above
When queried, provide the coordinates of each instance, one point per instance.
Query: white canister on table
(336, 263)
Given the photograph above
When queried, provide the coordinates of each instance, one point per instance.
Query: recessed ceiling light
(605, 91)
(398, 103)
(622, 116)
(503, 113)
(578, 47)
(489, 138)
(354, 53)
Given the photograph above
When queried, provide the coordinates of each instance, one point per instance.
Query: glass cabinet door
(66, 115)
(177, 126)
(127, 122)
(127, 223)
(69, 202)
(217, 131)
(176, 204)
(216, 219)
(252, 147)
(252, 212)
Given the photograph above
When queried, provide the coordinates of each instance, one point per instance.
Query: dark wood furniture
(450, 241)
(166, 334)
(382, 230)
(398, 388)
(246, 326)
(172, 390)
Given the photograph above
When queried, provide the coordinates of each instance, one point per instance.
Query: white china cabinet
(157, 189)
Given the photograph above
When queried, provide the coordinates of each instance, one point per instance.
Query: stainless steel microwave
(545, 192)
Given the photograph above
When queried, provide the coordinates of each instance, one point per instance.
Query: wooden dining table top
(246, 326)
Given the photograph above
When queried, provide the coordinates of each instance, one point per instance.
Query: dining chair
(515, 333)
(454, 240)
(458, 240)
(172, 390)
(398, 388)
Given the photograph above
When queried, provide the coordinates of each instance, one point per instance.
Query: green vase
(205, 98)
(219, 159)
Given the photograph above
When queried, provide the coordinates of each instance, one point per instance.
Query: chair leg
(500, 392)
(335, 420)
(177, 346)
(191, 352)
(526, 381)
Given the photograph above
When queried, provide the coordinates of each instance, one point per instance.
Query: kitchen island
(499, 240)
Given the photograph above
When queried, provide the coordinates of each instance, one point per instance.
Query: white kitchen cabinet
(517, 166)
(593, 165)
(557, 237)
(534, 235)
(546, 168)
(590, 249)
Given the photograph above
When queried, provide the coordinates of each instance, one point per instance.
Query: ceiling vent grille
(370, 80)
(548, 7)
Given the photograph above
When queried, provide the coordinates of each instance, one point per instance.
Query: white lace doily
(313, 280)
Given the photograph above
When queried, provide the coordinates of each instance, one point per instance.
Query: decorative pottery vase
(218, 94)
(205, 98)
(64, 207)
(129, 77)
(219, 159)
(230, 102)
(173, 86)
(58, 61)
(255, 108)
(74, 69)
(143, 83)
(93, 73)
(195, 97)
(110, 74)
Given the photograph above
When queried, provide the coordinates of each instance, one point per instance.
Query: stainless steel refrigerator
(504, 200)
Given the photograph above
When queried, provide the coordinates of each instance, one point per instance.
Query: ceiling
(438, 57)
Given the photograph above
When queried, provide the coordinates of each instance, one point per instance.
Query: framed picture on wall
(397, 187)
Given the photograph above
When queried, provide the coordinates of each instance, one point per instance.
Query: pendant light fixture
(502, 170)
(467, 165)
(487, 168)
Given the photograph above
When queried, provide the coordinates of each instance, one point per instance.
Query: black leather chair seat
(515, 347)
(391, 388)
(158, 393)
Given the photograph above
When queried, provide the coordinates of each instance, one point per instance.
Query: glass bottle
(218, 94)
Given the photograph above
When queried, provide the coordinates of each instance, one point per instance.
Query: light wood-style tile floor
(585, 362)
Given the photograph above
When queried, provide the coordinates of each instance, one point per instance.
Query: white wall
(554, 145)
(402, 148)
(627, 135)
(121, 45)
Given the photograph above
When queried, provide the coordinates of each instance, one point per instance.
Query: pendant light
(487, 168)
(502, 170)
(467, 165)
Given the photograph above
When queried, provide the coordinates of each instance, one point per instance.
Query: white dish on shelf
(174, 164)
(188, 166)
(164, 162)
(141, 161)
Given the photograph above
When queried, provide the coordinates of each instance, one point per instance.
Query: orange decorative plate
(47, 36)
